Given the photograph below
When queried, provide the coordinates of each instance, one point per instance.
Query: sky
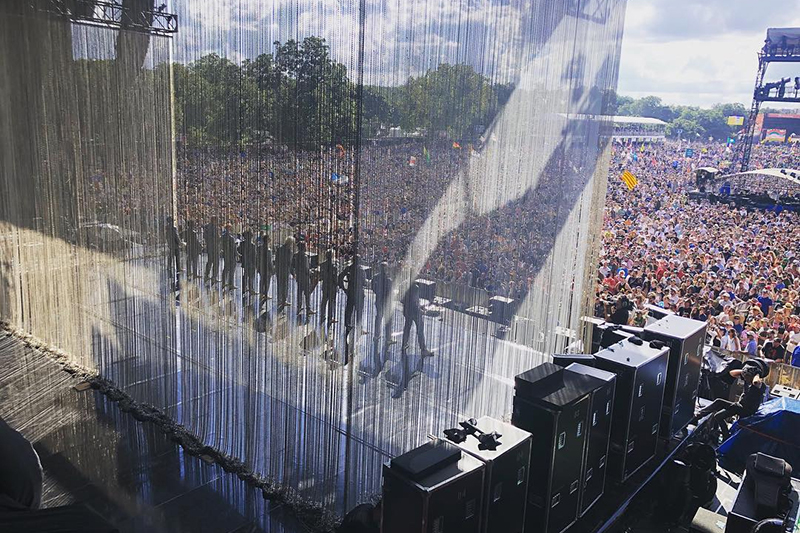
(690, 52)
(700, 52)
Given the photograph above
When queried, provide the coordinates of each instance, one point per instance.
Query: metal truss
(115, 14)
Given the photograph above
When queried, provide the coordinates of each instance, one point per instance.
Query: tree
(648, 106)
(454, 99)
(317, 101)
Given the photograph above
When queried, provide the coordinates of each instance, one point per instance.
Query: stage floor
(128, 472)
(281, 399)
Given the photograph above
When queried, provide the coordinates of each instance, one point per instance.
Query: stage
(281, 400)
(127, 471)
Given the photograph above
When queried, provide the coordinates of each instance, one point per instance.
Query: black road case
(593, 480)
(685, 338)
(641, 374)
(446, 499)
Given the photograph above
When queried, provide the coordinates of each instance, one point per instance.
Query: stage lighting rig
(782, 45)
(115, 14)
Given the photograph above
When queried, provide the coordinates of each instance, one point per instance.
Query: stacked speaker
(641, 370)
(601, 409)
(433, 488)
(507, 464)
(685, 338)
(554, 406)
(475, 485)
(575, 424)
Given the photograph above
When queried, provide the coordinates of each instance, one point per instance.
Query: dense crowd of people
(310, 197)
(735, 267)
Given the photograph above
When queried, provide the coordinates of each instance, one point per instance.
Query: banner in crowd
(735, 120)
(630, 180)
(775, 136)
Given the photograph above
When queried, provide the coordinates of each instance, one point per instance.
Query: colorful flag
(629, 180)
(456, 145)
(412, 161)
(427, 154)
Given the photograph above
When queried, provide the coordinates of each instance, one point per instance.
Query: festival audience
(737, 268)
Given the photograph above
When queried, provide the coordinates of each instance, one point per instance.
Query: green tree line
(687, 121)
(299, 96)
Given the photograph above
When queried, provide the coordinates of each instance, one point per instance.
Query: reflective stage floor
(288, 409)
(127, 471)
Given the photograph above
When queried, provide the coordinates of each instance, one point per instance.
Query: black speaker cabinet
(610, 334)
(445, 496)
(566, 359)
(601, 409)
(506, 475)
(641, 374)
(553, 405)
(685, 338)
(427, 289)
(501, 309)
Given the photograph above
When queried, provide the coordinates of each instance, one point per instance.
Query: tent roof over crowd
(776, 34)
(782, 173)
(637, 120)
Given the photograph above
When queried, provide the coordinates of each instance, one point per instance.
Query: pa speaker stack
(435, 487)
(641, 370)
(596, 455)
(506, 474)
(553, 405)
(685, 338)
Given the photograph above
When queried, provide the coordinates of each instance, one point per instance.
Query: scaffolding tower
(782, 45)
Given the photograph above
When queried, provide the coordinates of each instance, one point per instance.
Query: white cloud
(699, 54)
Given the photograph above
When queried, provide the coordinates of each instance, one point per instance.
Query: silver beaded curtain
(311, 232)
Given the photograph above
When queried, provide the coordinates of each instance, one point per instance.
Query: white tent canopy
(776, 35)
(782, 173)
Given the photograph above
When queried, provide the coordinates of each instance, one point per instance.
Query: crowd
(736, 268)
(310, 197)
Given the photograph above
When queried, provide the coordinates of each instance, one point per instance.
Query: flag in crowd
(630, 180)
(426, 154)
(456, 145)
(412, 161)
